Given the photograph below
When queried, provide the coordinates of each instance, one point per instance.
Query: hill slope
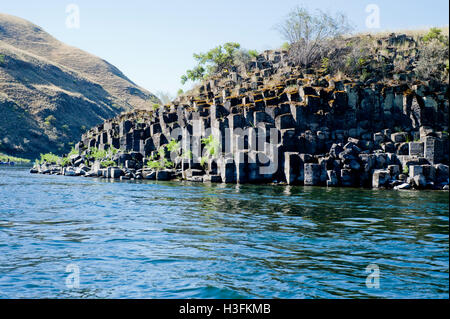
(51, 92)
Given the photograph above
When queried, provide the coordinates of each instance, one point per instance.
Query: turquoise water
(183, 240)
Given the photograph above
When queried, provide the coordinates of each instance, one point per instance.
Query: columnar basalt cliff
(271, 121)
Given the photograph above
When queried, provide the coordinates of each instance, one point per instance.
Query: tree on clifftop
(309, 33)
(221, 58)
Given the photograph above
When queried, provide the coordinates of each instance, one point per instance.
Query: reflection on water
(187, 240)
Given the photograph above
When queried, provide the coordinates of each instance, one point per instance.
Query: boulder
(403, 186)
(420, 181)
(164, 175)
(380, 178)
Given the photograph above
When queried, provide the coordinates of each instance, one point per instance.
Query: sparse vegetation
(219, 59)
(50, 158)
(187, 154)
(6, 158)
(211, 149)
(406, 170)
(222, 58)
(433, 57)
(435, 34)
(107, 163)
(173, 146)
(310, 34)
(49, 120)
(212, 146)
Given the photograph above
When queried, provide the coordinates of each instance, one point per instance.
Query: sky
(152, 42)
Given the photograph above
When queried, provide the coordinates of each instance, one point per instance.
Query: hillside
(51, 92)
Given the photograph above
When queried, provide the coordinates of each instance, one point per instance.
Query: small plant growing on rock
(173, 145)
(50, 120)
(108, 163)
(406, 170)
(211, 149)
(65, 161)
(50, 158)
(187, 154)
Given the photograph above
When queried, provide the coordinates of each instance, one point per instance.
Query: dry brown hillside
(51, 92)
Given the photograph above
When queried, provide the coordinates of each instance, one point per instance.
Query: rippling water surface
(183, 240)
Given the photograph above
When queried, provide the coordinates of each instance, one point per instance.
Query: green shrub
(253, 53)
(73, 151)
(108, 163)
(216, 60)
(285, 46)
(406, 170)
(159, 165)
(2, 59)
(434, 34)
(173, 145)
(203, 161)
(212, 145)
(50, 120)
(155, 165)
(96, 154)
(187, 154)
(6, 158)
(65, 161)
(50, 158)
(325, 67)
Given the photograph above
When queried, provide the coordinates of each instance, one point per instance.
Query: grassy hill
(51, 92)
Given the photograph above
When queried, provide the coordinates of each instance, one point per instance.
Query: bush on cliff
(222, 58)
(433, 57)
(309, 34)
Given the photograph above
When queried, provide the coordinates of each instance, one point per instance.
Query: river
(72, 237)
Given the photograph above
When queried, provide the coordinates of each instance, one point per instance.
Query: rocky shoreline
(272, 122)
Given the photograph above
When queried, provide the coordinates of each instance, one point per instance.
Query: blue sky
(152, 42)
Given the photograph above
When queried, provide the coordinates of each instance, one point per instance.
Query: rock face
(50, 93)
(279, 123)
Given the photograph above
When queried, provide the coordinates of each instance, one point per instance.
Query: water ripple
(149, 239)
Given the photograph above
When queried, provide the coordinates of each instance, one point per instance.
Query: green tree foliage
(50, 158)
(216, 60)
(7, 158)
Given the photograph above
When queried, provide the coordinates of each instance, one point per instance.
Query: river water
(71, 237)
